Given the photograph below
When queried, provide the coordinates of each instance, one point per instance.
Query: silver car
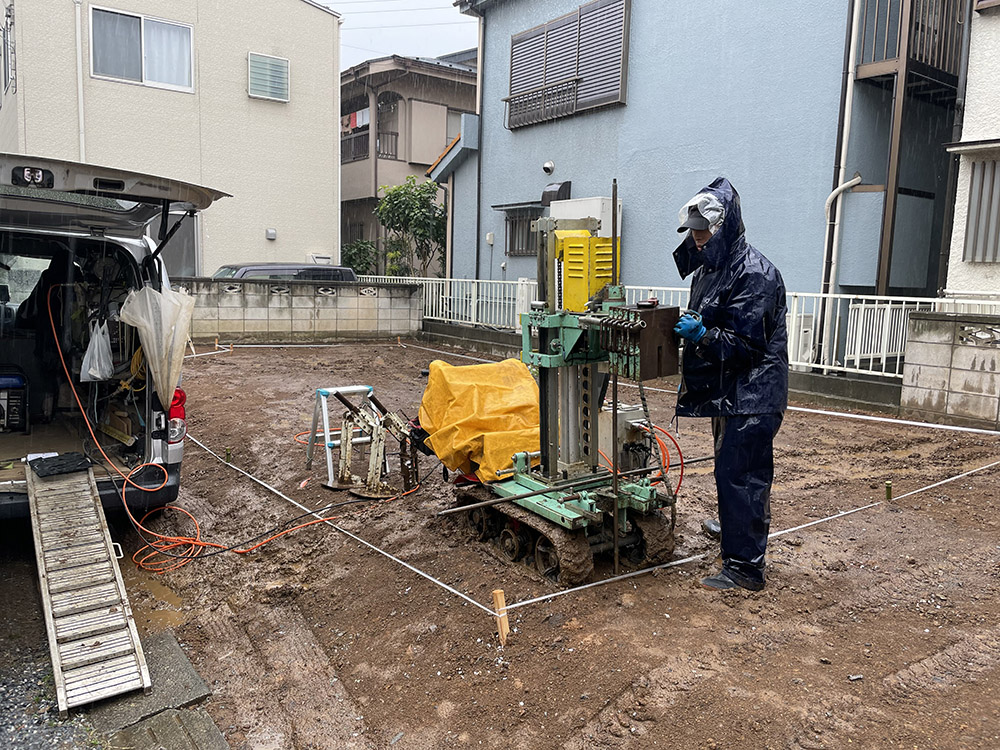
(73, 245)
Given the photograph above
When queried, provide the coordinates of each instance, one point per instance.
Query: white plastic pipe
(81, 120)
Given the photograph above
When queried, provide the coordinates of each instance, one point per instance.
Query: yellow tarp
(478, 416)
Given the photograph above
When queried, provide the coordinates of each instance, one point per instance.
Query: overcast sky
(424, 28)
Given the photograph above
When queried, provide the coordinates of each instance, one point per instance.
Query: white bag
(163, 320)
(97, 363)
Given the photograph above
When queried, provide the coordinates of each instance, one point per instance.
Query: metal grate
(982, 229)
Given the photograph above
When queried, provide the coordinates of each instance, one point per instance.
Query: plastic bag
(163, 320)
(97, 363)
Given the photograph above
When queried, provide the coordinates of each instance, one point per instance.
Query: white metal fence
(829, 332)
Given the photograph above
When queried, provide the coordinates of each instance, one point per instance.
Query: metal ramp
(93, 641)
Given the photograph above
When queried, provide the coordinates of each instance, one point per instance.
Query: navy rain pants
(744, 469)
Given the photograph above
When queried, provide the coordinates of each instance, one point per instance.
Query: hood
(724, 242)
(40, 194)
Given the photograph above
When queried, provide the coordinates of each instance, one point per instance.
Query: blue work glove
(690, 327)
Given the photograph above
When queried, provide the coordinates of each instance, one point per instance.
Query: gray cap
(694, 220)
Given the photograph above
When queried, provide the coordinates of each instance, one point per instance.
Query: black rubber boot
(724, 580)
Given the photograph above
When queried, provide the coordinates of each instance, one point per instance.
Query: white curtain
(168, 53)
(116, 45)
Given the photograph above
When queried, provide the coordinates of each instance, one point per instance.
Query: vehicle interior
(67, 284)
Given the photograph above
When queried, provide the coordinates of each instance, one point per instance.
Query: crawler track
(657, 536)
(570, 548)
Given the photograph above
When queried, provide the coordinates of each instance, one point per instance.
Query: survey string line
(345, 532)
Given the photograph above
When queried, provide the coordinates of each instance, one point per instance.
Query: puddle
(155, 606)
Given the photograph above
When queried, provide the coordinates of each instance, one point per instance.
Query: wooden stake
(500, 607)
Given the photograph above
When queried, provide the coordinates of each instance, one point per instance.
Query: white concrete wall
(982, 122)
(279, 160)
(302, 311)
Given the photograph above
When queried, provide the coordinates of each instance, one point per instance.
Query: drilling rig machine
(559, 507)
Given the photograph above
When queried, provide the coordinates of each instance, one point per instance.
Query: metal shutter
(603, 45)
(268, 77)
(561, 48)
(527, 61)
(982, 230)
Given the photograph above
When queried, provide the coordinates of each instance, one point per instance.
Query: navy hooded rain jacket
(740, 366)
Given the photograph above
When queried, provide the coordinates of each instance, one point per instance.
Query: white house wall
(982, 122)
(279, 160)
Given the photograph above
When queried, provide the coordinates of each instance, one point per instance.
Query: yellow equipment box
(586, 266)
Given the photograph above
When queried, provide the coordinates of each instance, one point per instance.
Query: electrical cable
(162, 544)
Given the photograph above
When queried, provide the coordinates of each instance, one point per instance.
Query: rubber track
(657, 533)
(576, 564)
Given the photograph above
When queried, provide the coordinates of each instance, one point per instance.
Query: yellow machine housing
(586, 266)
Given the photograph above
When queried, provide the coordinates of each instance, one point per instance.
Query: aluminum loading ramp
(93, 641)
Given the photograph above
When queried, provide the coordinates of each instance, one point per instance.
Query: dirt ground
(876, 630)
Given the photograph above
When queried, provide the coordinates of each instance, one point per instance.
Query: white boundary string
(674, 563)
(345, 532)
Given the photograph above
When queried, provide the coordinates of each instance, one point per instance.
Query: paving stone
(173, 729)
(175, 685)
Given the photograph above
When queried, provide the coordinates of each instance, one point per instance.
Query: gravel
(29, 716)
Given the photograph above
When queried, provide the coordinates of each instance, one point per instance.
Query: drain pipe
(834, 225)
(79, 80)
(832, 240)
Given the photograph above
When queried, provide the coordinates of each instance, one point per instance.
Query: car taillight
(177, 410)
(176, 416)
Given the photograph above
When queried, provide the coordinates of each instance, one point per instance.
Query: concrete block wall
(952, 369)
(301, 311)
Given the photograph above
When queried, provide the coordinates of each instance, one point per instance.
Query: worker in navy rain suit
(735, 370)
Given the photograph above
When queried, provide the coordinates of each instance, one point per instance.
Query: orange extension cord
(664, 456)
(162, 545)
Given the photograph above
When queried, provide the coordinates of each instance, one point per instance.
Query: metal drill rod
(576, 484)
(614, 455)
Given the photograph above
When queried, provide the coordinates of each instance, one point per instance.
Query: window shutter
(603, 53)
(561, 48)
(268, 77)
(527, 61)
(982, 231)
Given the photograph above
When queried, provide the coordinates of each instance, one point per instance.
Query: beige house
(238, 96)
(418, 105)
(974, 263)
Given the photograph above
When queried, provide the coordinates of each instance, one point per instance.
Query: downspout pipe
(843, 141)
(956, 136)
(81, 120)
(482, 143)
(833, 226)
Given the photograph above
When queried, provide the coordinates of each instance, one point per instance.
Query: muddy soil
(876, 630)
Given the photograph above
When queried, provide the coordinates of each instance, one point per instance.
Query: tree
(359, 255)
(416, 224)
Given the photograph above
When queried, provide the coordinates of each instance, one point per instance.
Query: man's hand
(690, 327)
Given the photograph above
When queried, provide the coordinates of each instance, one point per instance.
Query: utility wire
(409, 25)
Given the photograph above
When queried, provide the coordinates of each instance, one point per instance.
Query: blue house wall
(746, 90)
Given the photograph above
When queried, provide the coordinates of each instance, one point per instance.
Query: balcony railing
(388, 145)
(934, 28)
(355, 147)
(542, 103)
(826, 332)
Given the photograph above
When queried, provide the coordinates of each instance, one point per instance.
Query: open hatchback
(74, 245)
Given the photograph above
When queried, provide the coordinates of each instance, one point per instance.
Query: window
(576, 62)
(518, 227)
(982, 229)
(141, 49)
(267, 77)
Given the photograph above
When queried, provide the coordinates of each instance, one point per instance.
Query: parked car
(81, 232)
(286, 272)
